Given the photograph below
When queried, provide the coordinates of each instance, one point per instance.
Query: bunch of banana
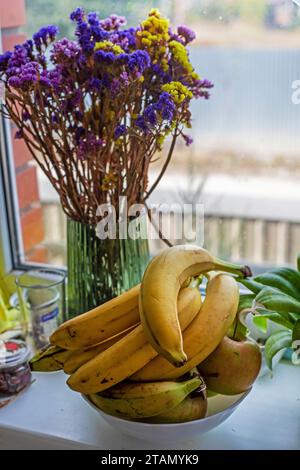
(144, 400)
(131, 353)
(163, 278)
(204, 333)
(123, 358)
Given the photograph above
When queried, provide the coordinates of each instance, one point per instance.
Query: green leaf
(286, 280)
(294, 317)
(280, 320)
(251, 284)
(275, 343)
(277, 301)
(245, 301)
(261, 321)
(296, 331)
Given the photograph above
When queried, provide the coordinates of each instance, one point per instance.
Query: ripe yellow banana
(134, 401)
(79, 357)
(53, 358)
(204, 333)
(162, 280)
(130, 353)
(49, 359)
(189, 409)
(99, 324)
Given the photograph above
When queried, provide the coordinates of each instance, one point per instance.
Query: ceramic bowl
(220, 407)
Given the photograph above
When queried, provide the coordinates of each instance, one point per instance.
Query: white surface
(49, 415)
(220, 407)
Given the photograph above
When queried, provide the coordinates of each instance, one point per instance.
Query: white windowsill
(50, 416)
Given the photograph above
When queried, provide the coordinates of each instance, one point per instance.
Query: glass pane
(244, 162)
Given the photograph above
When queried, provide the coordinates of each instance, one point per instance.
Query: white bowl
(220, 407)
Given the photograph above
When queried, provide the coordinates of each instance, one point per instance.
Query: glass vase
(99, 270)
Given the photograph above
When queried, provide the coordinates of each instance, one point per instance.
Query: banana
(49, 359)
(188, 410)
(129, 354)
(134, 401)
(99, 324)
(205, 332)
(53, 358)
(77, 358)
(162, 280)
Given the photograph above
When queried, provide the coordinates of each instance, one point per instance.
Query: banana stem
(239, 270)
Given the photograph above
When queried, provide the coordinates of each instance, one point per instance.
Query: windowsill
(50, 416)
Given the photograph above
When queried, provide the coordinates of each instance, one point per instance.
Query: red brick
(10, 40)
(38, 255)
(32, 228)
(20, 151)
(12, 13)
(27, 186)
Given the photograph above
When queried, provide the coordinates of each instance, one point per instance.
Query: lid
(13, 353)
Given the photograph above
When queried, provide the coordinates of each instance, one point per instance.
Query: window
(244, 164)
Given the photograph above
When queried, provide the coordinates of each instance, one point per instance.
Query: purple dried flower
(124, 38)
(19, 134)
(115, 86)
(201, 87)
(26, 116)
(93, 18)
(45, 81)
(124, 78)
(138, 61)
(113, 22)
(150, 115)
(188, 139)
(165, 106)
(54, 118)
(64, 50)
(105, 57)
(4, 59)
(141, 123)
(186, 33)
(77, 15)
(25, 76)
(14, 82)
(120, 130)
(88, 144)
(45, 35)
(95, 83)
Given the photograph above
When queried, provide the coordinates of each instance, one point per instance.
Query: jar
(41, 296)
(15, 373)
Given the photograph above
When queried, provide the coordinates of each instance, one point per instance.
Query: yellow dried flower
(108, 46)
(178, 91)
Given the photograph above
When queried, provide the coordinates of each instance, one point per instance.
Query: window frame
(10, 231)
(11, 242)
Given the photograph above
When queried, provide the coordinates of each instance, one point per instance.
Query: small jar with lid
(15, 373)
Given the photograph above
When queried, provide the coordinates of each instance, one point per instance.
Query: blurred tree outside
(41, 12)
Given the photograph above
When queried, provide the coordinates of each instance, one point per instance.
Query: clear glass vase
(99, 270)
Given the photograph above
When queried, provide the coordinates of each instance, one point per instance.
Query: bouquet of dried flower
(93, 112)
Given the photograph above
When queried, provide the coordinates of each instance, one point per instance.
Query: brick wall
(12, 17)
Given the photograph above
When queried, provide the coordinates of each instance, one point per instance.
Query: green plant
(276, 298)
